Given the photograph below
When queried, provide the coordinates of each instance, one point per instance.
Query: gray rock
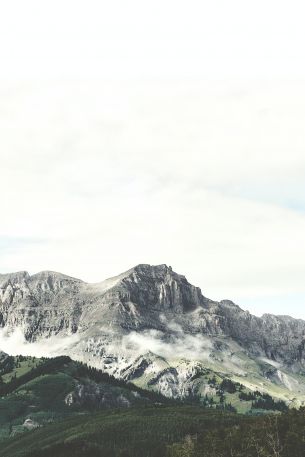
(116, 321)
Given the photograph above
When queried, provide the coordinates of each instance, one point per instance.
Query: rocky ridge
(150, 325)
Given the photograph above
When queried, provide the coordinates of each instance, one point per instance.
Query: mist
(171, 346)
(15, 344)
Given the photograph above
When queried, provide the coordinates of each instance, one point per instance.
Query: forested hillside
(165, 431)
(58, 407)
(35, 392)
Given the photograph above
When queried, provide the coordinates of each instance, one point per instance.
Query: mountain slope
(135, 432)
(151, 326)
(35, 392)
(163, 432)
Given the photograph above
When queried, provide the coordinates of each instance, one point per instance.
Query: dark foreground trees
(165, 431)
(268, 436)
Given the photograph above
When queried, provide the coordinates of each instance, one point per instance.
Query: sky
(157, 132)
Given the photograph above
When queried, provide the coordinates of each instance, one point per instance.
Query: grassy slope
(204, 387)
(37, 389)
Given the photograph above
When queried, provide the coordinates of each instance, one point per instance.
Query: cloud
(207, 177)
(102, 41)
(14, 343)
(170, 346)
(174, 345)
(185, 149)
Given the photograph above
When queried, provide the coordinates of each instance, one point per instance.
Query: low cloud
(16, 344)
(174, 346)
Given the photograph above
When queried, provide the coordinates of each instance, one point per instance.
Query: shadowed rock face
(144, 299)
(49, 303)
(159, 288)
(3, 356)
(277, 337)
(41, 305)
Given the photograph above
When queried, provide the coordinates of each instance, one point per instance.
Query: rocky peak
(53, 281)
(160, 288)
(13, 278)
(144, 297)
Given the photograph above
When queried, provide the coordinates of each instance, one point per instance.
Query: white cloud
(182, 345)
(164, 39)
(15, 344)
(119, 146)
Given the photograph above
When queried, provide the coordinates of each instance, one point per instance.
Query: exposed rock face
(3, 357)
(97, 396)
(49, 303)
(42, 304)
(160, 289)
(30, 424)
(150, 310)
(280, 338)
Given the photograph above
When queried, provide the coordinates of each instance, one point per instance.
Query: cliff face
(160, 289)
(149, 309)
(48, 303)
(279, 338)
(40, 305)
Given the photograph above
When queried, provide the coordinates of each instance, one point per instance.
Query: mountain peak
(48, 274)
(156, 272)
(147, 269)
(16, 277)
(147, 309)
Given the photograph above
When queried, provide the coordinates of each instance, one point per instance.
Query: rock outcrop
(149, 310)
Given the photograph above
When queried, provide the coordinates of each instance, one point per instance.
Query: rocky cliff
(150, 323)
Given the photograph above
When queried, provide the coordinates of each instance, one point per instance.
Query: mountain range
(150, 326)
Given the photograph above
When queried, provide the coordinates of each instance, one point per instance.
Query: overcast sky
(157, 132)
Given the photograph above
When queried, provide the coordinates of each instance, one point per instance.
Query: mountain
(35, 392)
(61, 407)
(150, 326)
